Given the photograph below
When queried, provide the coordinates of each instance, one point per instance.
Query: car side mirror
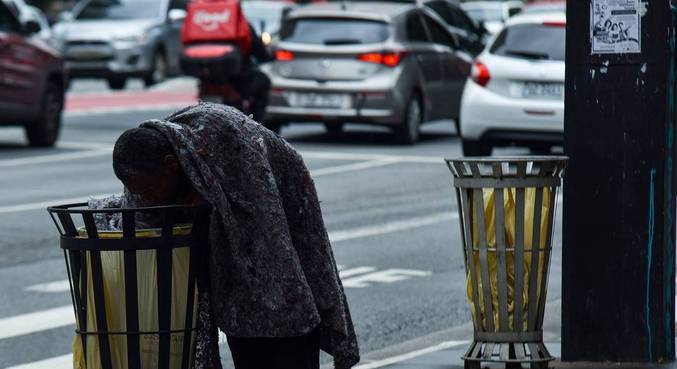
(177, 15)
(32, 27)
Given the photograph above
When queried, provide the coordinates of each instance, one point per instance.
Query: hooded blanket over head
(271, 268)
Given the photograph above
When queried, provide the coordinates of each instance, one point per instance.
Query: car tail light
(388, 58)
(284, 55)
(480, 74)
(555, 24)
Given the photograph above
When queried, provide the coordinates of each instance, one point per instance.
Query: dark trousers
(254, 85)
(301, 352)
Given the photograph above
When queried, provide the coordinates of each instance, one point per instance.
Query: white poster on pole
(615, 27)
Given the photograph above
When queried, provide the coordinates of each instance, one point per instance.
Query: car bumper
(505, 120)
(118, 60)
(373, 101)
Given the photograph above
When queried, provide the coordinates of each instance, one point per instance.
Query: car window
(486, 14)
(462, 19)
(513, 11)
(438, 34)
(443, 11)
(334, 31)
(531, 41)
(415, 30)
(120, 9)
(178, 4)
(7, 21)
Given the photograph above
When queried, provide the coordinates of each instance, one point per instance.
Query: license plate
(320, 100)
(543, 90)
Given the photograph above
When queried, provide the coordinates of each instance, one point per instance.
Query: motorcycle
(215, 37)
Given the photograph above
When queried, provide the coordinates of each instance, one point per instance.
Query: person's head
(143, 159)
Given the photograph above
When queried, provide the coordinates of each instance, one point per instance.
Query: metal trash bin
(507, 246)
(125, 326)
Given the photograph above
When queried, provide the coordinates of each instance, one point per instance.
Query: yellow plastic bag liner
(510, 236)
(114, 295)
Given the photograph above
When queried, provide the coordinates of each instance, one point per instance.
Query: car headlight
(266, 38)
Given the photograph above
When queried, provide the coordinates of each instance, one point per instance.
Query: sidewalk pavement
(443, 350)
(450, 358)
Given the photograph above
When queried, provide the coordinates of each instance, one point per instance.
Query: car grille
(82, 50)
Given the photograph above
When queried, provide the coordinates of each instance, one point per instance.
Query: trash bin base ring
(517, 337)
(508, 352)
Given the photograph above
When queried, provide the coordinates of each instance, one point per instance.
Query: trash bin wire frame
(471, 176)
(76, 258)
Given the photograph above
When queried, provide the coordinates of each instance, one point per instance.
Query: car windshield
(544, 8)
(531, 41)
(484, 15)
(263, 16)
(119, 9)
(334, 31)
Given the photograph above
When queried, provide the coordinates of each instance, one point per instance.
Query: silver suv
(118, 39)
(388, 64)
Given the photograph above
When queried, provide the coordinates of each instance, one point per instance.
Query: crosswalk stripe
(38, 321)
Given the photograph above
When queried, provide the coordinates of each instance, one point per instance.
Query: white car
(515, 95)
(492, 14)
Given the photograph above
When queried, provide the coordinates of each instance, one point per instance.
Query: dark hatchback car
(388, 64)
(470, 35)
(31, 80)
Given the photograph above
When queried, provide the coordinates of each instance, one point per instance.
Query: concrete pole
(619, 197)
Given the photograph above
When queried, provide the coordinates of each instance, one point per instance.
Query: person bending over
(271, 281)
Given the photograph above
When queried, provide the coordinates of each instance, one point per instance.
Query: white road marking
(44, 204)
(383, 276)
(43, 159)
(395, 226)
(328, 155)
(64, 285)
(59, 362)
(355, 271)
(352, 167)
(66, 361)
(49, 319)
(38, 321)
(51, 287)
(411, 355)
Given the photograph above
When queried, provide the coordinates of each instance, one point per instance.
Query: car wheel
(476, 148)
(117, 83)
(45, 129)
(408, 131)
(334, 129)
(159, 71)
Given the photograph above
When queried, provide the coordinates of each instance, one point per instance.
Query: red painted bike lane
(101, 103)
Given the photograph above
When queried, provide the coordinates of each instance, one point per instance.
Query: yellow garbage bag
(509, 230)
(114, 295)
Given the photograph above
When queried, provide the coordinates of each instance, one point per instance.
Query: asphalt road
(390, 211)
